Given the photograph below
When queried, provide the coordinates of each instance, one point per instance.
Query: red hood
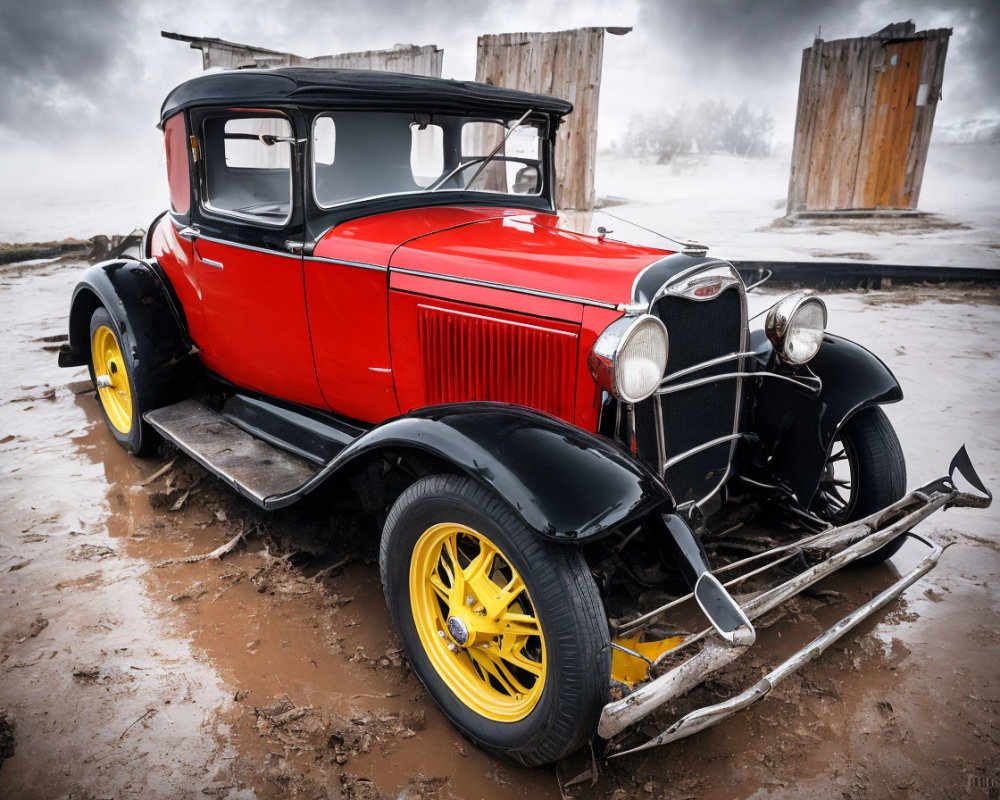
(497, 245)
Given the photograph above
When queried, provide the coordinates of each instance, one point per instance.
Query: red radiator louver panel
(473, 357)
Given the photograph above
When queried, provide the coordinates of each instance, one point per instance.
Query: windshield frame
(543, 122)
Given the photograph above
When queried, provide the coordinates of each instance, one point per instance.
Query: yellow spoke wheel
(112, 379)
(476, 622)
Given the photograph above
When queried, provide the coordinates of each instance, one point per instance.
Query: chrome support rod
(710, 715)
(918, 505)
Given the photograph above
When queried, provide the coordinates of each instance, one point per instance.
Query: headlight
(629, 358)
(795, 327)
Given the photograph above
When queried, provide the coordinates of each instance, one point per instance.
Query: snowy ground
(737, 206)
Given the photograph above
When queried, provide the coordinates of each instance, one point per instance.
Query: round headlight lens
(629, 358)
(642, 360)
(795, 327)
(805, 333)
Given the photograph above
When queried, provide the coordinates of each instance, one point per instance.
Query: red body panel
(527, 250)
(350, 334)
(255, 318)
(176, 257)
(503, 308)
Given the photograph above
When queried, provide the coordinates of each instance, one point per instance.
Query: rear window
(175, 145)
(248, 170)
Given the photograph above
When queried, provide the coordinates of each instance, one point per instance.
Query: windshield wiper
(484, 159)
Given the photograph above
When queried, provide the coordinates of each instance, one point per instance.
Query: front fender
(797, 429)
(141, 303)
(563, 482)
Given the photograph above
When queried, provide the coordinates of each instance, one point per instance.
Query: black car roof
(356, 89)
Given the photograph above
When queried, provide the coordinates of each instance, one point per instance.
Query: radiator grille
(473, 357)
(699, 331)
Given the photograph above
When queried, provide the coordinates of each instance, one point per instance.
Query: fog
(83, 82)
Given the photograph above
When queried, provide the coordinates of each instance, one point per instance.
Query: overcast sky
(82, 82)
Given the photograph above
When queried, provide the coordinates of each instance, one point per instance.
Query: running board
(256, 469)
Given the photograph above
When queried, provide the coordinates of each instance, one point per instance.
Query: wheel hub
(459, 631)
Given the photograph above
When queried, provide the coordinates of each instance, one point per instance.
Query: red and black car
(362, 291)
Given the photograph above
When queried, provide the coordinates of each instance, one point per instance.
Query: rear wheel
(506, 631)
(120, 388)
(865, 472)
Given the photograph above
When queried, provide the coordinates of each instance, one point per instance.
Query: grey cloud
(58, 56)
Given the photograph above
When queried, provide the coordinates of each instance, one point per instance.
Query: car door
(247, 246)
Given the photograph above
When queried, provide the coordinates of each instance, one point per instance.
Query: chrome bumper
(846, 543)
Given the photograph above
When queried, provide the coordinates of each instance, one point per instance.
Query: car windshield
(357, 155)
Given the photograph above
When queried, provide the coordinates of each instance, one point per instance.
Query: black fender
(563, 482)
(797, 427)
(142, 305)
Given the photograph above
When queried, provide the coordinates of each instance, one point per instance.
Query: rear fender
(797, 428)
(142, 306)
(563, 482)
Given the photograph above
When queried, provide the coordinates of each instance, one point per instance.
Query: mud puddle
(273, 670)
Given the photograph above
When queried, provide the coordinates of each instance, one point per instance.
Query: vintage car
(362, 292)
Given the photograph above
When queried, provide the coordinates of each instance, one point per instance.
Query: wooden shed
(409, 58)
(865, 113)
(565, 64)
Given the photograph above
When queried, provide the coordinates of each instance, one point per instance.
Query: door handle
(209, 262)
(190, 233)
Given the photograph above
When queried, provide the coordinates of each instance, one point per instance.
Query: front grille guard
(831, 549)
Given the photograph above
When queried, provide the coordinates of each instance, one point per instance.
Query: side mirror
(526, 181)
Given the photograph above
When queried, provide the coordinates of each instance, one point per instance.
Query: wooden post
(565, 64)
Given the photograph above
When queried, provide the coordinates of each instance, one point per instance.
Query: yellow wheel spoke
(454, 569)
(477, 573)
(439, 587)
(495, 667)
(511, 624)
(511, 651)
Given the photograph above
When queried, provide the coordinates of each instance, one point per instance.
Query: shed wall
(865, 113)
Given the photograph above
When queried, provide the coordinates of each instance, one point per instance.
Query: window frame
(204, 199)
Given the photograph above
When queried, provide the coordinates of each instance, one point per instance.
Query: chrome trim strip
(661, 440)
(241, 246)
(812, 384)
(703, 446)
(345, 263)
(505, 287)
(712, 362)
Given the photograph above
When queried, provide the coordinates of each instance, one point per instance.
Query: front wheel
(506, 631)
(865, 472)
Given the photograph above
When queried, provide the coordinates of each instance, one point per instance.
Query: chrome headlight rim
(607, 354)
(781, 318)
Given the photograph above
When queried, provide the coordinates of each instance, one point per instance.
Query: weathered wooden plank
(565, 64)
(860, 137)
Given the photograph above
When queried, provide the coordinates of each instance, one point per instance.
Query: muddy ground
(273, 671)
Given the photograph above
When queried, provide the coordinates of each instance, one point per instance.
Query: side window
(248, 167)
(175, 144)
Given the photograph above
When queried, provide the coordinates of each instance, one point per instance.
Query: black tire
(563, 599)
(868, 447)
(136, 436)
